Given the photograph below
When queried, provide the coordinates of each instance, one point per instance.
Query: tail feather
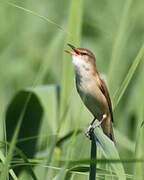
(108, 129)
(112, 134)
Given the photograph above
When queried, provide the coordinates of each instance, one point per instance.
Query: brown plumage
(106, 94)
(92, 89)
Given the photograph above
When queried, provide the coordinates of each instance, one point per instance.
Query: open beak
(76, 51)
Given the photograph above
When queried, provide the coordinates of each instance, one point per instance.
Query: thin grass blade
(110, 152)
(129, 76)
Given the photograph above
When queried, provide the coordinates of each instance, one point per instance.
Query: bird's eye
(83, 53)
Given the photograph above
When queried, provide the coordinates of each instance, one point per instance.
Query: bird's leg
(91, 127)
(100, 122)
(93, 121)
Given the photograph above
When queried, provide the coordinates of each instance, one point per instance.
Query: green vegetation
(42, 117)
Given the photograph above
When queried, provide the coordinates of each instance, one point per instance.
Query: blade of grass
(84, 168)
(36, 14)
(103, 161)
(43, 99)
(5, 168)
(129, 76)
(138, 168)
(118, 46)
(74, 27)
(10, 170)
(29, 91)
(24, 157)
(109, 151)
(9, 157)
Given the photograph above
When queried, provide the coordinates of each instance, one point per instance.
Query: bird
(92, 90)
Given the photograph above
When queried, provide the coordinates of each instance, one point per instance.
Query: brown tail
(108, 129)
(112, 134)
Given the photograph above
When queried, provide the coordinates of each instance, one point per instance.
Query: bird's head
(82, 57)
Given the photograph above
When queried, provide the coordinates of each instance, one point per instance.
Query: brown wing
(106, 94)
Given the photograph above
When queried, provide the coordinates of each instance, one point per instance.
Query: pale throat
(82, 68)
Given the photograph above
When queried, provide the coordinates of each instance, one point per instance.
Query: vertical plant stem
(74, 28)
(119, 44)
(92, 175)
(138, 167)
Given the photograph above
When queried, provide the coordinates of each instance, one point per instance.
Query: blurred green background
(32, 56)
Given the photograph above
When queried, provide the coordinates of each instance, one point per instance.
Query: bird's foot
(89, 131)
(92, 127)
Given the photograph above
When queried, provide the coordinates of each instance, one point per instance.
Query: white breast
(87, 87)
(77, 61)
(82, 67)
